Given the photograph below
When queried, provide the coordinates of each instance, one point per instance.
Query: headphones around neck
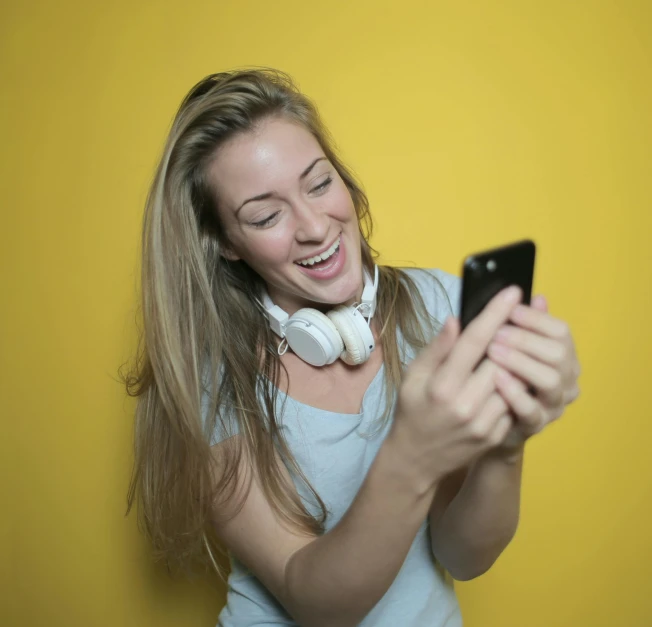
(319, 339)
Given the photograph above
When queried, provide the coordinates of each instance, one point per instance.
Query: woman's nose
(312, 224)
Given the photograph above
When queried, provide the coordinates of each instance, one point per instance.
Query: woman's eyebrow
(310, 167)
(267, 195)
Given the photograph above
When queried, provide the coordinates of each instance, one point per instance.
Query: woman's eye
(265, 221)
(322, 186)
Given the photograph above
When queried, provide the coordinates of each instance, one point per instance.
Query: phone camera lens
(491, 265)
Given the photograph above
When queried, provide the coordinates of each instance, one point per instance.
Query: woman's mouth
(326, 265)
(320, 259)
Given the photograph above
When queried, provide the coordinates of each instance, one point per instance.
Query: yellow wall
(471, 123)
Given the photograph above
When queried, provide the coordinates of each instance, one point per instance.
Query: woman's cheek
(277, 246)
(346, 209)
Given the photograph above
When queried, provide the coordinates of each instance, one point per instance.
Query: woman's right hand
(448, 411)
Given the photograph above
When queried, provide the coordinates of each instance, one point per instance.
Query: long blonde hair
(199, 355)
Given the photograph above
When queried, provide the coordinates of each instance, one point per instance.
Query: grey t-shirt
(335, 452)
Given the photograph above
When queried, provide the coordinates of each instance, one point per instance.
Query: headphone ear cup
(357, 336)
(313, 337)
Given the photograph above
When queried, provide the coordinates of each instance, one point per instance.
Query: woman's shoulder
(439, 290)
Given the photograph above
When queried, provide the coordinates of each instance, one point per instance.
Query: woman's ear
(228, 253)
(225, 246)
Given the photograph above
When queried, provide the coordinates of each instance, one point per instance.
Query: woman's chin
(345, 291)
(346, 297)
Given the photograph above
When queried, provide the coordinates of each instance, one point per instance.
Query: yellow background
(470, 124)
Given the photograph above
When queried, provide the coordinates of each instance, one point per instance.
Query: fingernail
(512, 294)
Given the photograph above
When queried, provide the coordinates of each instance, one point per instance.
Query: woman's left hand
(538, 369)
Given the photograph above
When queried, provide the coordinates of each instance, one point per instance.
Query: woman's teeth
(325, 255)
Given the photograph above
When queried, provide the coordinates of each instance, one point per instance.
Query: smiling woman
(346, 474)
(304, 209)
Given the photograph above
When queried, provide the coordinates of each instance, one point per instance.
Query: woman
(349, 455)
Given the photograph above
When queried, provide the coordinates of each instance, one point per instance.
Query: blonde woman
(320, 417)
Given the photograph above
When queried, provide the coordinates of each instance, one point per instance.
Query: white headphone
(320, 339)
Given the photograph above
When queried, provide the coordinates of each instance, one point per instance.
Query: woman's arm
(475, 512)
(474, 515)
(337, 578)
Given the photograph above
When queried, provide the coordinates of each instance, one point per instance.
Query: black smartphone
(486, 273)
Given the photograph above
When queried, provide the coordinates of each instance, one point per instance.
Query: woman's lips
(327, 269)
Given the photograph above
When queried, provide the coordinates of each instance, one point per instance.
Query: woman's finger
(540, 322)
(545, 349)
(473, 342)
(501, 430)
(477, 389)
(545, 379)
(539, 303)
(527, 409)
(488, 417)
(437, 351)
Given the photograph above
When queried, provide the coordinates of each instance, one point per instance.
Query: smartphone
(485, 273)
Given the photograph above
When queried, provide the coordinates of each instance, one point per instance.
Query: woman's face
(282, 203)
